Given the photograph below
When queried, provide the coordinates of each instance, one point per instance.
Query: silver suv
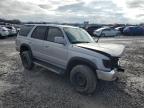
(71, 51)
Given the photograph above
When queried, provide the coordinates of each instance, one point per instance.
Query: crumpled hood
(115, 50)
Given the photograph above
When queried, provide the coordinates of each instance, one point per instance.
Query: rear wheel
(83, 79)
(26, 58)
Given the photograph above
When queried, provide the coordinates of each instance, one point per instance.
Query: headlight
(107, 63)
(112, 63)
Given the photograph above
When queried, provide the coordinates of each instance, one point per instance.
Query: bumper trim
(107, 75)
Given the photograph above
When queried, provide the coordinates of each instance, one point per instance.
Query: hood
(115, 50)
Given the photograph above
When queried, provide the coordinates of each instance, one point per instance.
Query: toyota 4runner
(69, 50)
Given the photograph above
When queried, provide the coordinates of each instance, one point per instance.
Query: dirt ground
(41, 88)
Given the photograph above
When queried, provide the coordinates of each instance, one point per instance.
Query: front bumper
(108, 75)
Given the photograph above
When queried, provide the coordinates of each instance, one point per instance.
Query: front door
(56, 53)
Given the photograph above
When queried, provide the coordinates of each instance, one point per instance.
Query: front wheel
(26, 58)
(83, 79)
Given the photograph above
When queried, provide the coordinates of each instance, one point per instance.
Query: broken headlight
(112, 63)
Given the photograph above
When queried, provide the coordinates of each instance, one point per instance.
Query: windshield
(78, 35)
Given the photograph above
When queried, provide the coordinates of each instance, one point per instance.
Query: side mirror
(60, 40)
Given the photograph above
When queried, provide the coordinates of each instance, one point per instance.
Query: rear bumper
(107, 75)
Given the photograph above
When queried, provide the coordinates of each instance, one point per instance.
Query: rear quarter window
(24, 30)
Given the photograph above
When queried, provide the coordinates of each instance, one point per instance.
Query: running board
(48, 66)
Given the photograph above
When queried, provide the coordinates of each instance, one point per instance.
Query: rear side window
(24, 31)
(39, 32)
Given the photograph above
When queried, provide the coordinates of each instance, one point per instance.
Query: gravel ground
(41, 88)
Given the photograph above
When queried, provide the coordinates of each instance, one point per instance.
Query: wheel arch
(25, 47)
(79, 60)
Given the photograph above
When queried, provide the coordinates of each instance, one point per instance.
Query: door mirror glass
(60, 40)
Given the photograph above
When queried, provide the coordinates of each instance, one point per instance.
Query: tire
(26, 58)
(83, 79)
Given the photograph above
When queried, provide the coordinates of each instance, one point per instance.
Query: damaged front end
(113, 63)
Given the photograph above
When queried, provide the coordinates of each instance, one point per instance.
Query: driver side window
(54, 32)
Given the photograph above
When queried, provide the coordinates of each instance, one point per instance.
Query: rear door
(36, 42)
(55, 53)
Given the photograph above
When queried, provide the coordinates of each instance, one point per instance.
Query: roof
(54, 25)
